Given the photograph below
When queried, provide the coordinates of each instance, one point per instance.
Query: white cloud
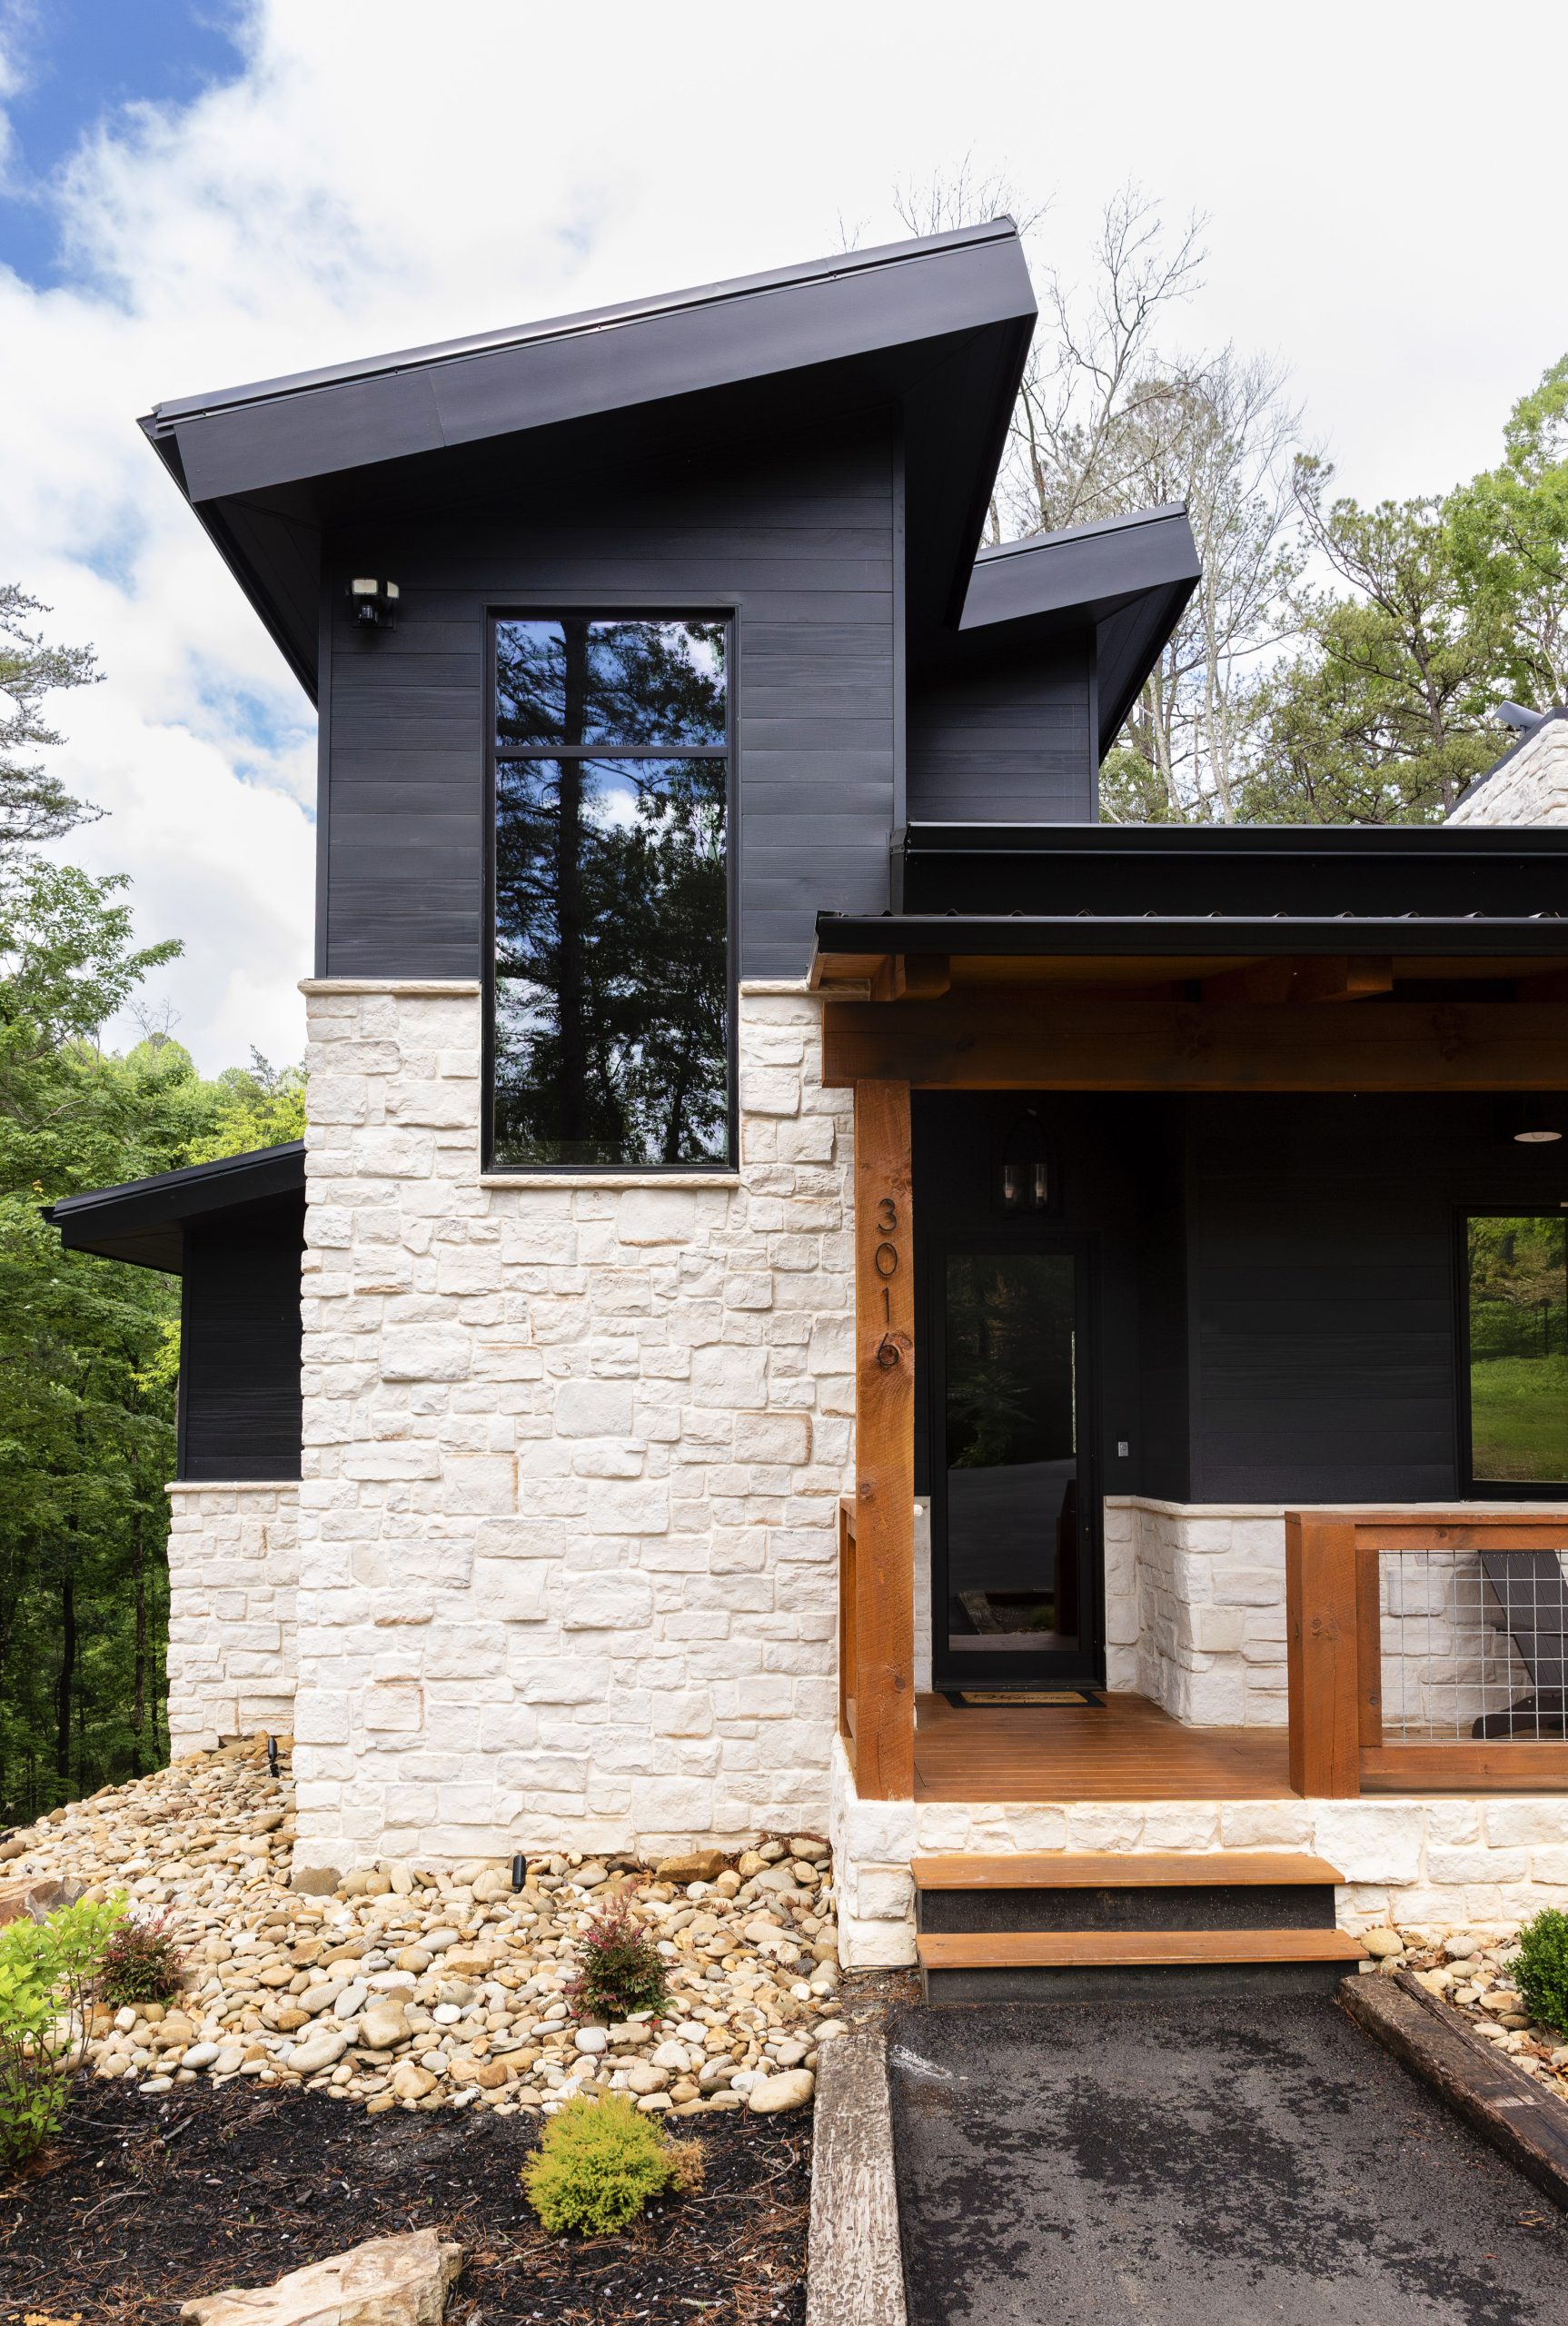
(384, 175)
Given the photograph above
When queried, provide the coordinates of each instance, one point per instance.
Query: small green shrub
(141, 1963)
(600, 2163)
(1541, 1971)
(47, 1972)
(620, 1969)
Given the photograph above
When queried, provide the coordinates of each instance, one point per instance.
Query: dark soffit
(144, 1220)
(941, 326)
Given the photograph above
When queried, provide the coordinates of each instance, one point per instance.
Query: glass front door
(1014, 1595)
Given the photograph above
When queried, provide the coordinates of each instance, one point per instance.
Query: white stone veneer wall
(573, 1452)
(234, 1577)
(1432, 1861)
(1532, 789)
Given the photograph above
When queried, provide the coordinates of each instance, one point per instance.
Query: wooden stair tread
(1120, 1870)
(1088, 1949)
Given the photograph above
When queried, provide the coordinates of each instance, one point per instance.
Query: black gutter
(1020, 935)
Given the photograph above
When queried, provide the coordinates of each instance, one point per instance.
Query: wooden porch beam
(884, 1565)
(1096, 1039)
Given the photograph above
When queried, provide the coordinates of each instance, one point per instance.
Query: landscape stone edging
(1499, 2101)
(855, 2267)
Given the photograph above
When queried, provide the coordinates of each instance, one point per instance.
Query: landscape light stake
(273, 1755)
(519, 1870)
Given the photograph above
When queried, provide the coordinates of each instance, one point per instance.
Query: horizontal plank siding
(1006, 744)
(796, 536)
(1321, 1273)
(240, 1353)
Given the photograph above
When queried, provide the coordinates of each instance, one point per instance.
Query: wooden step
(1121, 1870)
(1084, 1949)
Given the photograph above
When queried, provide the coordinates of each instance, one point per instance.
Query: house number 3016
(885, 1260)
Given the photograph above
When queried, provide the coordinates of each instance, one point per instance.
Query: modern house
(835, 1286)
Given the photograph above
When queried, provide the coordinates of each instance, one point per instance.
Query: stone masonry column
(572, 1454)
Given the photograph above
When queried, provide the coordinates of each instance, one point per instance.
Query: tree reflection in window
(610, 1029)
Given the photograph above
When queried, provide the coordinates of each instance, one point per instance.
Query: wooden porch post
(1323, 1640)
(883, 1445)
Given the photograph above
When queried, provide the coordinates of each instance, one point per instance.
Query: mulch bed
(143, 2203)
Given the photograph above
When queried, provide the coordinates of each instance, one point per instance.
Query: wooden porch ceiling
(1195, 1022)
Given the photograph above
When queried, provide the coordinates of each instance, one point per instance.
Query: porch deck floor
(1126, 1750)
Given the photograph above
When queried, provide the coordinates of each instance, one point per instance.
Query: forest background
(1338, 663)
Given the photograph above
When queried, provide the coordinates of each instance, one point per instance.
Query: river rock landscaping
(1471, 1972)
(407, 1987)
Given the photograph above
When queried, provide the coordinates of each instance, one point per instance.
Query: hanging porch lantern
(1028, 1176)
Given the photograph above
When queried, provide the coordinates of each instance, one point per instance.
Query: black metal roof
(939, 325)
(144, 1220)
(1437, 890)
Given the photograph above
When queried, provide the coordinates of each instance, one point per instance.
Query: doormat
(975, 1699)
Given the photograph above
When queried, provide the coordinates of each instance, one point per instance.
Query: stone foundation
(1196, 1619)
(573, 1457)
(1438, 1862)
(1194, 1609)
(233, 1578)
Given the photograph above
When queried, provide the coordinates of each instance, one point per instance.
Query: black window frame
(594, 606)
(1471, 1487)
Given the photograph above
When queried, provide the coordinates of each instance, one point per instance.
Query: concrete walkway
(1204, 2164)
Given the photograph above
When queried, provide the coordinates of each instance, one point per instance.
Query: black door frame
(1058, 1668)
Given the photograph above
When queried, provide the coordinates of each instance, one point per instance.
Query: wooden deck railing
(1340, 1741)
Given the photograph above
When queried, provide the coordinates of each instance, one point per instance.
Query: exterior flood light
(374, 602)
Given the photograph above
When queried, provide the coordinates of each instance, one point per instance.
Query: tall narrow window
(611, 1033)
(1517, 1299)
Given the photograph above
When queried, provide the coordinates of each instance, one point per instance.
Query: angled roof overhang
(938, 326)
(1125, 578)
(144, 1221)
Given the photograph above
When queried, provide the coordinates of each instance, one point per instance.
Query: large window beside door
(611, 1011)
(1516, 1388)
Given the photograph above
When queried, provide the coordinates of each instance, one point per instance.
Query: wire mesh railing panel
(1474, 1643)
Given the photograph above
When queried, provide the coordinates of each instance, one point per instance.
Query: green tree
(1385, 717)
(258, 1105)
(67, 964)
(34, 805)
(1511, 544)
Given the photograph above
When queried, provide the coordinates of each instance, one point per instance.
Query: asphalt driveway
(1204, 2163)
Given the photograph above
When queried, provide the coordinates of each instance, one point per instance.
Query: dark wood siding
(796, 537)
(1277, 1277)
(240, 1346)
(1009, 743)
(1321, 1267)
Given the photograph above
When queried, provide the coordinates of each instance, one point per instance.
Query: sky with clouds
(195, 192)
